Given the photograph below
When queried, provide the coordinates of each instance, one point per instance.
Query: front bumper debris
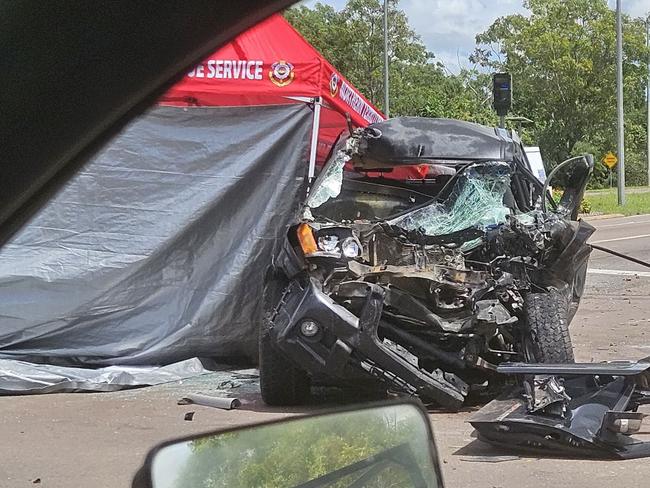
(582, 410)
(346, 339)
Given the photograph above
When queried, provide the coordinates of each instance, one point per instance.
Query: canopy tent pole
(314, 137)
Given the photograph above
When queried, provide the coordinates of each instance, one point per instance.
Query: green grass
(606, 201)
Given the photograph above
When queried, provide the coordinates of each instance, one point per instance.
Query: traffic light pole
(386, 77)
(647, 42)
(619, 105)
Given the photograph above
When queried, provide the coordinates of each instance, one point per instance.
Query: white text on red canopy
(228, 69)
(358, 104)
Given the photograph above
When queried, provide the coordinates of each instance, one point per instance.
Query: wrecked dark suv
(425, 285)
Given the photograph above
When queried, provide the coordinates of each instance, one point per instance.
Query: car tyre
(547, 336)
(281, 382)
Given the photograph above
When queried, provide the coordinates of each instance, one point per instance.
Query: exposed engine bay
(428, 285)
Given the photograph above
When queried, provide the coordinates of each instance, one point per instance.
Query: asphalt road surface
(99, 440)
(628, 235)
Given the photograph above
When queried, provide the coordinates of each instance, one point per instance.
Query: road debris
(581, 409)
(210, 401)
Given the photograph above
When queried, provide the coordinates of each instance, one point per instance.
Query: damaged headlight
(351, 248)
(328, 242)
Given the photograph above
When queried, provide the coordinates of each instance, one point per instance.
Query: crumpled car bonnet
(411, 140)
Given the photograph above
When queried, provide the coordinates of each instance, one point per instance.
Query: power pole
(386, 87)
(619, 105)
(647, 91)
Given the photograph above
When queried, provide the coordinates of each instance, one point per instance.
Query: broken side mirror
(388, 444)
(573, 175)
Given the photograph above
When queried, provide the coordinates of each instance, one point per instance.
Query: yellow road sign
(610, 160)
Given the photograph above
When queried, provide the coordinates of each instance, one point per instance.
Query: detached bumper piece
(325, 338)
(578, 410)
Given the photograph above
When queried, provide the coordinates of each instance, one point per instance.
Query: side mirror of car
(573, 175)
(388, 444)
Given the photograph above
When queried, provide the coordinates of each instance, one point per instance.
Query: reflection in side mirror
(385, 445)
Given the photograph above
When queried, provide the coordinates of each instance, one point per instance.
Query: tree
(352, 40)
(465, 96)
(562, 59)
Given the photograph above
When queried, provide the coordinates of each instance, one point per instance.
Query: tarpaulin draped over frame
(156, 251)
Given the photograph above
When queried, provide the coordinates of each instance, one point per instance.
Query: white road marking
(619, 272)
(624, 223)
(618, 221)
(641, 236)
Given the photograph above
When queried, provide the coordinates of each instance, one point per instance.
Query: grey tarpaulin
(155, 253)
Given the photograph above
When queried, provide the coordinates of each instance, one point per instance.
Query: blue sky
(448, 27)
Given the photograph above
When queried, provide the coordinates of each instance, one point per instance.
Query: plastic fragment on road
(210, 401)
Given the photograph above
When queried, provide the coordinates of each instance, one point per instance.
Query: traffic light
(502, 93)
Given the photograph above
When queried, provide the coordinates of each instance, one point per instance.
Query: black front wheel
(547, 338)
(281, 382)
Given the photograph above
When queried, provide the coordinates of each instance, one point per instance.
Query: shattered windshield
(477, 196)
(329, 182)
(476, 200)
(340, 194)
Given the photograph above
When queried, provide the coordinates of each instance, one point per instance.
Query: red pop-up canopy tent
(273, 64)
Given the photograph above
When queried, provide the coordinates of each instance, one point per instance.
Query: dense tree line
(561, 55)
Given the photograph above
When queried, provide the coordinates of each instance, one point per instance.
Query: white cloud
(636, 8)
(449, 27)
